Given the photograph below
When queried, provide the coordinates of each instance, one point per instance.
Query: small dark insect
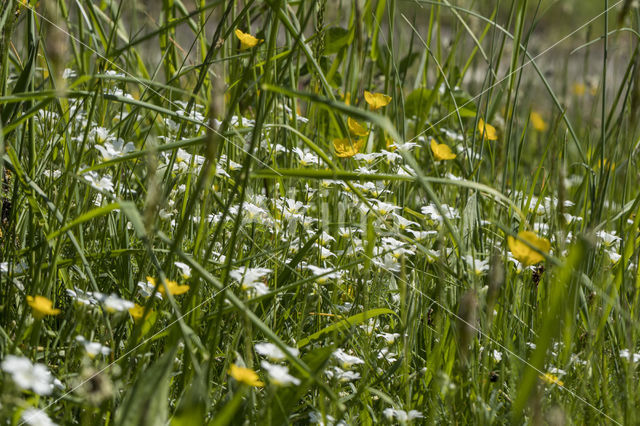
(493, 376)
(537, 275)
(429, 317)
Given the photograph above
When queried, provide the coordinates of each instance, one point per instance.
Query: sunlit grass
(318, 212)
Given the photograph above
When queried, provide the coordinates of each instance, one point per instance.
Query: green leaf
(97, 212)
(461, 98)
(418, 103)
(407, 61)
(146, 402)
(346, 324)
(193, 406)
(336, 38)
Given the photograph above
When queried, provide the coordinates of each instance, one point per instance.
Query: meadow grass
(294, 212)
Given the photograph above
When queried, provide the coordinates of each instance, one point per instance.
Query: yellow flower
(579, 89)
(174, 288)
(551, 379)
(487, 130)
(247, 41)
(376, 100)
(245, 375)
(441, 151)
(137, 311)
(356, 128)
(41, 306)
(346, 147)
(346, 98)
(525, 254)
(538, 122)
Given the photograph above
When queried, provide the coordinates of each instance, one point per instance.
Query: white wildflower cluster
(26, 375)
(111, 302)
(278, 374)
(343, 371)
(251, 280)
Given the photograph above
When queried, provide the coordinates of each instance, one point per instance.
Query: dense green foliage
(272, 212)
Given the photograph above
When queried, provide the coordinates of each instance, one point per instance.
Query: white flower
(68, 73)
(279, 374)
(387, 355)
(497, 355)
(184, 268)
(27, 375)
(342, 375)
(346, 360)
(104, 183)
(325, 253)
(93, 348)
(431, 211)
(407, 146)
(247, 276)
(18, 268)
(324, 274)
(273, 352)
(633, 357)
(233, 166)
(608, 239)
(113, 303)
(384, 208)
(100, 133)
(316, 418)
(403, 222)
(146, 288)
(81, 297)
(401, 415)
(36, 417)
(115, 149)
(389, 338)
(477, 266)
(250, 280)
(306, 158)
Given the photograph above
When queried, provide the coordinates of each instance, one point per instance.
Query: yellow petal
(346, 147)
(551, 379)
(356, 128)
(538, 122)
(137, 311)
(376, 100)
(441, 151)
(245, 375)
(487, 130)
(247, 41)
(174, 288)
(525, 254)
(579, 89)
(41, 306)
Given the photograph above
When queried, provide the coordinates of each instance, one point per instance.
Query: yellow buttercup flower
(245, 375)
(441, 151)
(538, 122)
(346, 147)
(376, 100)
(487, 130)
(356, 128)
(551, 379)
(174, 288)
(41, 306)
(137, 311)
(579, 89)
(247, 41)
(525, 254)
